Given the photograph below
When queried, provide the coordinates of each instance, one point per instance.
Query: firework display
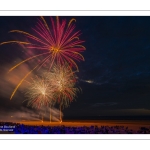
(42, 70)
(60, 48)
(58, 42)
(57, 85)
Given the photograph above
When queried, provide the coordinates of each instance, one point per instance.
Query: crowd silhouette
(28, 129)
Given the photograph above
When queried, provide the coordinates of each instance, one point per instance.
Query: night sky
(115, 76)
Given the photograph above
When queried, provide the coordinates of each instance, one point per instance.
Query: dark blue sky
(117, 64)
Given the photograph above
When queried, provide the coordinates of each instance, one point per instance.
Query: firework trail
(58, 42)
(63, 81)
(51, 113)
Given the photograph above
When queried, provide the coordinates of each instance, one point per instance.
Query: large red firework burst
(58, 43)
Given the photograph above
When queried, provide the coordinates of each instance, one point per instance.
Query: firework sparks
(63, 81)
(58, 43)
(59, 40)
(39, 93)
(57, 85)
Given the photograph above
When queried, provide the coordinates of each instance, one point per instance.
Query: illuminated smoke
(26, 114)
